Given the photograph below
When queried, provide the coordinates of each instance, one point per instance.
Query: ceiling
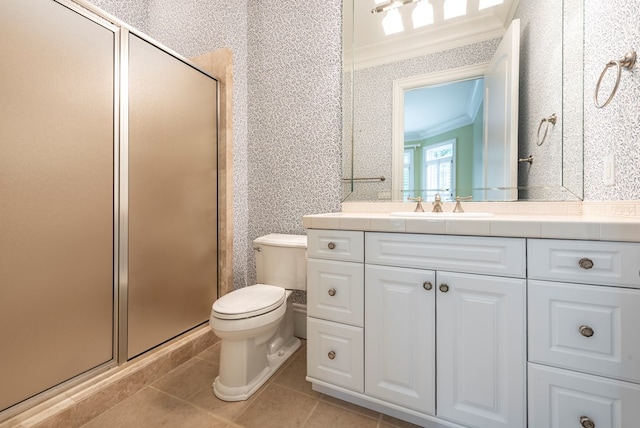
(365, 38)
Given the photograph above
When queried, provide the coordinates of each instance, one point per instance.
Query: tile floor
(184, 398)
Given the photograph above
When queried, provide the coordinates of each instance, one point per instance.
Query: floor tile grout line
(221, 418)
(306, 421)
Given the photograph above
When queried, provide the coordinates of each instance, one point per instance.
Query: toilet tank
(281, 260)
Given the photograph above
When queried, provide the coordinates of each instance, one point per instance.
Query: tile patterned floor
(184, 398)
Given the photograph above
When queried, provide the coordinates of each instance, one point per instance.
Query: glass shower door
(56, 196)
(172, 268)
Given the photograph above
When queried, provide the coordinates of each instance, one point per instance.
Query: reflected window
(407, 173)
(454, 8)
(439, 170)
(485, 4)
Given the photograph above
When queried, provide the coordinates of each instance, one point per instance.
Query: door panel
(481, 350)
(172, 196)
(56, 196)
(400, 336)
(501, 119)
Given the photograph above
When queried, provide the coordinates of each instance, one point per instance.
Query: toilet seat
(249, 302)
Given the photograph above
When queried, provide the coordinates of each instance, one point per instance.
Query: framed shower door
(172, 196)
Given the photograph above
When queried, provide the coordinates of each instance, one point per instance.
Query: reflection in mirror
(550, 82)
(442, 130)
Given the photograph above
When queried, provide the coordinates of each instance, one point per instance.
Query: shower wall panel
(56, 196)
(172, 278)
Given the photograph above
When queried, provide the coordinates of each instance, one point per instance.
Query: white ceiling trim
(440, 39)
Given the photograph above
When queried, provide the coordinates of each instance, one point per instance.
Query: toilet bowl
(255, 323)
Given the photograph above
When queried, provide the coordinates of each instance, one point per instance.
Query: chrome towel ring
(550, 120)
(627, 61)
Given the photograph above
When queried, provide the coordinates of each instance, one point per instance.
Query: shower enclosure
(108, 196)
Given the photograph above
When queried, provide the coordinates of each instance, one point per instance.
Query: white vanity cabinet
(440, 322)
(335, 310)
(428, 328)
(584, 348)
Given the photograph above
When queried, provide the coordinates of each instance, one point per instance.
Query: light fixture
(392, 22)
(484, 4)
(453, 8)
(422, 14)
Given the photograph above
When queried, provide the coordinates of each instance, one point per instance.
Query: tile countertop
(584, 227)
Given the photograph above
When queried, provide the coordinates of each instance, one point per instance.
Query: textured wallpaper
(611, 29)
(294, 113)
(540, 96)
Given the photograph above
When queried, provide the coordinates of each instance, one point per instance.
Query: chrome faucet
(458, 207)
(437, 204)
(419, 206)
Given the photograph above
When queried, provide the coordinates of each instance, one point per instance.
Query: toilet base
(275, 360)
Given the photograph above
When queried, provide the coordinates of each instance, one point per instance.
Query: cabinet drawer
(561, 399)
(346, 245)
(494, 256)
(586, 328)
(335, 353)
(591, 262)
(335, 291)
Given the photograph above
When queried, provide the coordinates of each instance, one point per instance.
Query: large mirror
(547, 164)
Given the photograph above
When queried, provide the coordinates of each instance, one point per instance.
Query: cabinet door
(481, 350)
(399, 336)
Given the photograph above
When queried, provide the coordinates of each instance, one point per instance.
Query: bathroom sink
(447, 215)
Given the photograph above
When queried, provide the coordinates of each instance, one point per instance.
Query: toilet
(255, 323)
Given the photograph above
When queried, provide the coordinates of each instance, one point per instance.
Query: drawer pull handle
(586, 331)
(427, 285)
(586, 263)
(444, 288)
(331, 355)
(331, 245)
(332, 292)
(586, 422)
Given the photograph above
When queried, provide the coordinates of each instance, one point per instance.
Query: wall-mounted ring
(549, 120)
(627, 61)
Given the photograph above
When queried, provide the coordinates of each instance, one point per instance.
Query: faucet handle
(458, 207)
(419, 201)
(437, 203)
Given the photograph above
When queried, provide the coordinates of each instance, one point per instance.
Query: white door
(481, 350)
(501, 119)
(400, 336)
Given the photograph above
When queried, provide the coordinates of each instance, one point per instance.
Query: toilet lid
(249, 302)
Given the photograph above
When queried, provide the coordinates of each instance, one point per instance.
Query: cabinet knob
(331, 355)
(332, 292)
(331, 245)
(585, 330)
(586, 422)
(585, 263)
(427, 285)
(444, 288)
